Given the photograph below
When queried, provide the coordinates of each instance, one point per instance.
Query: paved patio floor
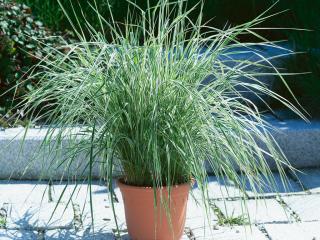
(26, 212)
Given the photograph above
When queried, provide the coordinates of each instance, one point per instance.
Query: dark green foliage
(222, 14)
(305, 14)
(52, 15)
(22, 40)
(217, 12)
(300, 14)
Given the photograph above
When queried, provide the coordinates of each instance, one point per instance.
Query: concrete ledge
(21, 157)
(299, 141)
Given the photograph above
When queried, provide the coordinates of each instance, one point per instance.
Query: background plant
(23, 41)
(51, 13)
(141, 106)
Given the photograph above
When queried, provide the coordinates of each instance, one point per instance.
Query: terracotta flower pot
(147, 222)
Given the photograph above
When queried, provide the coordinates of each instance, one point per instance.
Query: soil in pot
(147, 222)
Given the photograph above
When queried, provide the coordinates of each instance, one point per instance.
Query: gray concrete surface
(299, 141)
(26, 212)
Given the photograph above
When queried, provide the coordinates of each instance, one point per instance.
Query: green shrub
(23, 42)
(52, 15)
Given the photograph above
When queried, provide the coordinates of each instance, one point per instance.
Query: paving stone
(267, 190)
(30, 210)
(222, 188)
(35, 192)
(23, 191)
(295, 231)
(103, 220)
(307, 207)
(219, 188)
(256, 211)
(103, 216)
(310, 178)
(197, 217)
(230, 233)
(84, 234)
(79, 193)
(34, 216)
(18, 235)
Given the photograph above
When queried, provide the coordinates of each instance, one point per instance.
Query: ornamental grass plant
(138, 106)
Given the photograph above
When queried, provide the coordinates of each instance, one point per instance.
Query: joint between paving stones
(118, 234)
(50, 198)
(188, 231)
(261, 196)
(288, 208)
(77, 217)
(40, 229)
(41, 235)
(263, 230)
(3, 215)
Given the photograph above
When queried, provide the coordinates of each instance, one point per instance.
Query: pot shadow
(25, 228)
(54, 235)
(18, 234)
(86, 235)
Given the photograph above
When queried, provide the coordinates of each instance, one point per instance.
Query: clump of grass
(3, 222)
(3, 216)
(142, 108)
(229, 220)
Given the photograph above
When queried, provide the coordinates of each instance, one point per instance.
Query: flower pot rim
(123, 185)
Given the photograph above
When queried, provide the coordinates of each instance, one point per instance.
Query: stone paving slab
(29, 209)
(197, 217)
(278, 188)
(230, 233)
(265, 210)
(102, 211)
(220, 188)
(84, 234)
(80, 193)
(307, 207)
(296, 231)
(35, 216)
(17, 234)
(23, 191)
(103, 219)
(37, 192)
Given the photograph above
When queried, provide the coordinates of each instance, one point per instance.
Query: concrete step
(298, 139)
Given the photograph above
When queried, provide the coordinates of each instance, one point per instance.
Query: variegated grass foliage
(142, 109)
